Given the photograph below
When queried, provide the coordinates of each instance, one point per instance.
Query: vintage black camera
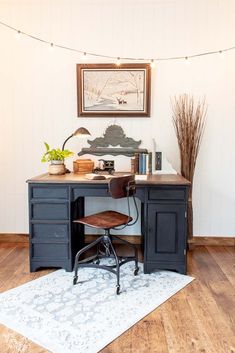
(105, 166)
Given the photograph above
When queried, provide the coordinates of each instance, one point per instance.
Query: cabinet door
(166, 238)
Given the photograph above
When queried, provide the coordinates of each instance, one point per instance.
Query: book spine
(140, 163)
(144, 163)
(147, 163)
(137, 163)
(150, 163)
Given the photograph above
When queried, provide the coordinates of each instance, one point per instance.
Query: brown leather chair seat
(105, 220)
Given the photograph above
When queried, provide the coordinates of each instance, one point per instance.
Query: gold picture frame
(108, 90)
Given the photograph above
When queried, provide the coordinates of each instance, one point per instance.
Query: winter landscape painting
(109, 90)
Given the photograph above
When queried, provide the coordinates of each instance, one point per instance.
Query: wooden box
(83, 166)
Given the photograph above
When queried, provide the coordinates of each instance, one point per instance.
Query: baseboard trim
(14, 238)
(134, 239)
(211, 241)
(24, 238)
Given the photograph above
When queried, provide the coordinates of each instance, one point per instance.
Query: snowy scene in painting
(110, 90)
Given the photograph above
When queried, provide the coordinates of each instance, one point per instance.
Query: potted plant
(56, 157)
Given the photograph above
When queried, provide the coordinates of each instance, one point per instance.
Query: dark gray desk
(55, 201)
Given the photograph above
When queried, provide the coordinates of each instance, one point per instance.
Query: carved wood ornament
(113, 136)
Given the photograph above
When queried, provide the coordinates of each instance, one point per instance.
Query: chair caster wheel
(75, 280)
(136, 271)
(118, 290)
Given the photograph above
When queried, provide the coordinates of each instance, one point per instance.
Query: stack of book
(141, 163)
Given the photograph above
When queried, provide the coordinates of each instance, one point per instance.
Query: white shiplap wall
(38, 91)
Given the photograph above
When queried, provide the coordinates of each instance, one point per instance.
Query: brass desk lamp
(81, 132)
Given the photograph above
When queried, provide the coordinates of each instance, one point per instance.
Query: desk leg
(144, 233)
(77, 230)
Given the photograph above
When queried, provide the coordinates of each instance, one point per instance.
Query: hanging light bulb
(84, 56)
(152, 64)
(51, 47)
(187, 60)
(18, 34)
(221, 54)
(118, 62)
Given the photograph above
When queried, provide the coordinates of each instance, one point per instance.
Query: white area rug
(84, 318)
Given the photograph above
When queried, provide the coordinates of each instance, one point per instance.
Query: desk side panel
(49, 226)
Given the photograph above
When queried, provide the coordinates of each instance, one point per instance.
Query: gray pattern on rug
(86, 317)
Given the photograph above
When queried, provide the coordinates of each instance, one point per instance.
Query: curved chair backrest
(123, 186)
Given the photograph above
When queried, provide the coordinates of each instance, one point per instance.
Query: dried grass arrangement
(189, 123)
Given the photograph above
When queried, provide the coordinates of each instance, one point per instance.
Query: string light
(84, 57)
(18, 34)
(221, 54)
(51, 47)
(118, 62)
(152, 61)
(152, 64)
(187, 60)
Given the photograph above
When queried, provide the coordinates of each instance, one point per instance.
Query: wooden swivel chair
(119, 187)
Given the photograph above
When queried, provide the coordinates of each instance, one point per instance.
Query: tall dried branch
(189, 124)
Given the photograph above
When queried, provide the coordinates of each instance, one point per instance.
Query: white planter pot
(55, 161)
(57, 168)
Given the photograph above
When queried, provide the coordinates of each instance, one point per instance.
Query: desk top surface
(71, 178)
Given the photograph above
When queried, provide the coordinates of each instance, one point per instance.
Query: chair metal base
(108, 251)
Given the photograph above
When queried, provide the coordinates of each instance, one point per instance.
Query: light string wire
(54, 45)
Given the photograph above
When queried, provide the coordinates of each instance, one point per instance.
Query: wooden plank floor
(198, 319)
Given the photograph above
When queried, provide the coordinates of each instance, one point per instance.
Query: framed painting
(108, 90)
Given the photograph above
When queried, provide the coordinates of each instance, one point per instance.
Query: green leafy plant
(55, 154)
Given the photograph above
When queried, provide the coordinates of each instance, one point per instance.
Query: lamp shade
(81, 132)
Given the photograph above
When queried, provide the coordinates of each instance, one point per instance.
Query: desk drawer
(91, 191)
(50, 231)
(167, 193)
(49, 192)
(50, 251)
(50, 211)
